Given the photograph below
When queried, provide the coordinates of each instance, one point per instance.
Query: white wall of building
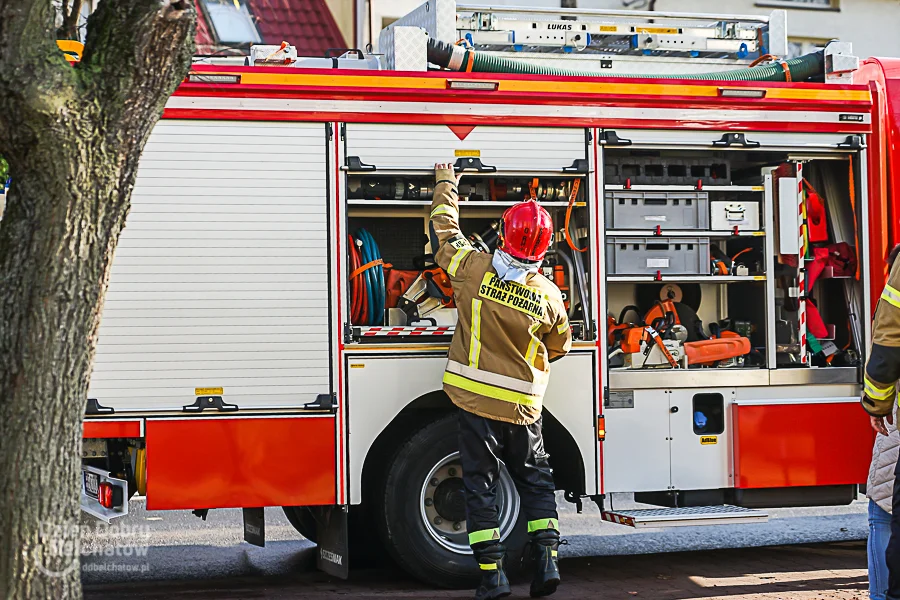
(872, 26)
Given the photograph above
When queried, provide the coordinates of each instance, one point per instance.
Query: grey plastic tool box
(652, 255)
(645, 210)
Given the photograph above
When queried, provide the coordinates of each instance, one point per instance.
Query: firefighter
(512, 325)
(880, 392)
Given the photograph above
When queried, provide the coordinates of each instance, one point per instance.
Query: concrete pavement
(834, 571)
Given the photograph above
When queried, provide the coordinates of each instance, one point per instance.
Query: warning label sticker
(469, 153)
(514, 295)
(708, 440)
(208, 391)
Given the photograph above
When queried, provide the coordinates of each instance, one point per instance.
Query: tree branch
(71, 14)
(137, 50)
(34, 75)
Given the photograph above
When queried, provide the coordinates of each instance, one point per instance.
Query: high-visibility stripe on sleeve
(475, 334)
(444, 209)
(878, 393)
(487, 566)
(457, 258)
(490, 391)
(562, 327)
(533, 344)
(891, 296)
(484, 535)
(541, 524)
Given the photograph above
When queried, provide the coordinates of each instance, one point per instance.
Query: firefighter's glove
(445, 172)
(878, 408)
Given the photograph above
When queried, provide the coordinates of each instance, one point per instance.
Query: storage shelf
(462, 203)
(618, 187)
(683, 278)
(681, 233)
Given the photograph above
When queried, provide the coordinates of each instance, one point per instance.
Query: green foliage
(4, 171)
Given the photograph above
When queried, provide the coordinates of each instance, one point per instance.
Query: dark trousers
(893, 549)
(483, 443)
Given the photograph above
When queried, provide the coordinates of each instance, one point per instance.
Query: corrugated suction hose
(457, 58)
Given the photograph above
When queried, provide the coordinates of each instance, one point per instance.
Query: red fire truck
(275, 333)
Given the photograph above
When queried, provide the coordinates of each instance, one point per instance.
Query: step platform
(684, 517)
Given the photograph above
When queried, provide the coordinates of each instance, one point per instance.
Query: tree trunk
(73, 137)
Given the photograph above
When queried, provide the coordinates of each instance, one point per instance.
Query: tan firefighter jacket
(507, 333)
(883, 366)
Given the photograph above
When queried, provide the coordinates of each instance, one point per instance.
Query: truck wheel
(420, 509)
(302, 520)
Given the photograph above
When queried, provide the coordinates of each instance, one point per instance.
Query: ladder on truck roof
(608, 41)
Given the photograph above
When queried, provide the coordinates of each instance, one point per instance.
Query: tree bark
(73, 137)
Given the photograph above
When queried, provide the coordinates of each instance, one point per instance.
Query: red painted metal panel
(883, 78)
(112, 429)
(240, 462)
(787, 445)
(512, 120)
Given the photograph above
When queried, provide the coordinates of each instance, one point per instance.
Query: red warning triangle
(461, 131)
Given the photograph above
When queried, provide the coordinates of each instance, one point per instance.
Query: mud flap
(331, 536)
(255, 526)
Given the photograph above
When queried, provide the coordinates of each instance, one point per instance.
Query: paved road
(833, 571)
(176, 546)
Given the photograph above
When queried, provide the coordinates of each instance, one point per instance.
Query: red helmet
(525, 231)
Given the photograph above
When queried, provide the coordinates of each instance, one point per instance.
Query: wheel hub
(442, 505)
(450, 499)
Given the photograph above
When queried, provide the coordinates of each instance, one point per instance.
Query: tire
(437, 554)
(302, 520)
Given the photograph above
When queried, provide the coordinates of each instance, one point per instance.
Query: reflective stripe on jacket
(507, 333)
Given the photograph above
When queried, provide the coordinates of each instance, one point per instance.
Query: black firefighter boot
(494, 583)
(544, 549)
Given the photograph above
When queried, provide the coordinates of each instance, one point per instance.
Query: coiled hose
(457, 58)
(367, 290)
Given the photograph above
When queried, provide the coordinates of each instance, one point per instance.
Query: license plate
(91, 484)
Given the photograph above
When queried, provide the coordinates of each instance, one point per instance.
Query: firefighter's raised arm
(453, 247)
(559, 340)
(883, 366)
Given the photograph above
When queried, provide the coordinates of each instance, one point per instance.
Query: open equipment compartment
(713, 258)
(396, 291)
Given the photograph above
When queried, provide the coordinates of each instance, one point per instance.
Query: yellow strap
(891, 296)
(455, 261)
(531, 352)
(561, 329)
(878, 393)
(444, 209)
(484, 535)
(489, 391)
(487, 566)
(541, 524)
(475, 334)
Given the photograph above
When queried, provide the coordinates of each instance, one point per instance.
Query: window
(802, 4)
(800, 46)
(231, 22)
